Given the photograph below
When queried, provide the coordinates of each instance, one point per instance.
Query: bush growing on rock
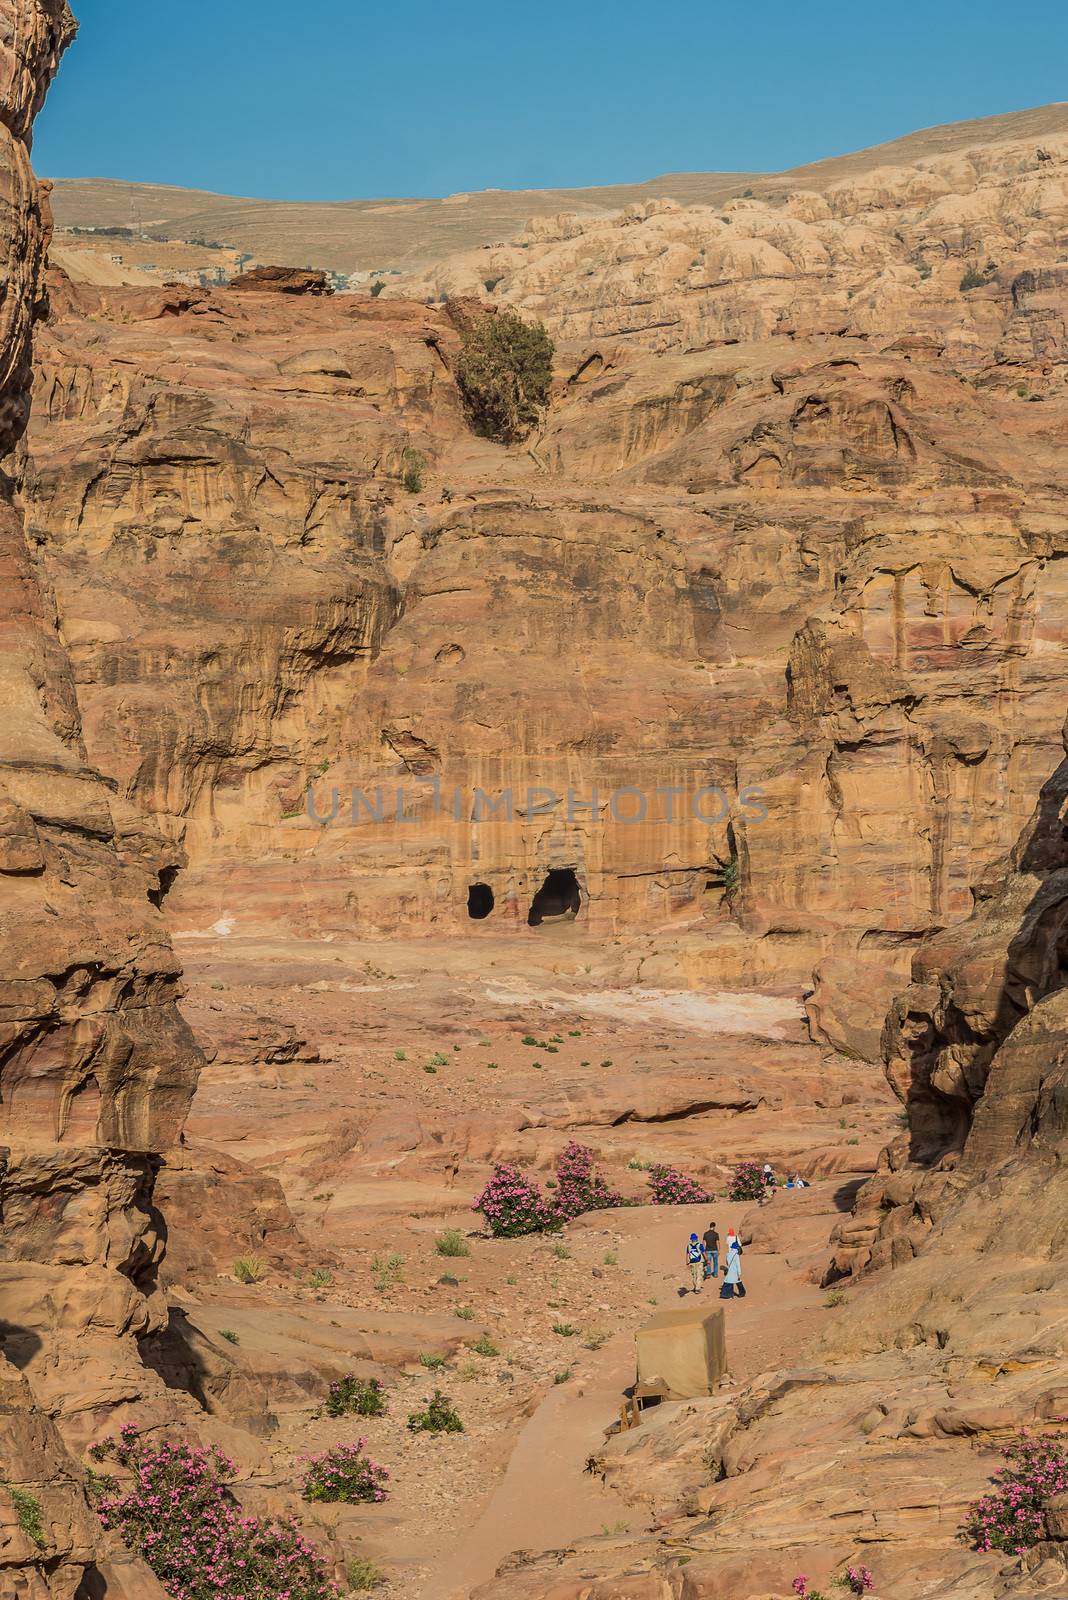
(854, 1580)
(363, 1574)
(413, 469)
(249, 1269)
(352, 1396)
(674, 1188)
(747, 1181)
(175, 1511)
(580, 1187)
(1011, 1518)
(452, 1243)
(438, 1417)
(345, 1474)
(504, 372)
(976, 278)
(387, 1270)
(513, 1204)
(28, 1511)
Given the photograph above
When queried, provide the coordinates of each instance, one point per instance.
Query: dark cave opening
(167, 876)
(479, 901)
(559, 896)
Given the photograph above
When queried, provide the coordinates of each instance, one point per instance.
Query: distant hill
(369, 235)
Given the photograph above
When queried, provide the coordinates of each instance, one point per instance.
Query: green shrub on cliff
(504, 372)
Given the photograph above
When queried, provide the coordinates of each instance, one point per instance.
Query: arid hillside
(391, 234)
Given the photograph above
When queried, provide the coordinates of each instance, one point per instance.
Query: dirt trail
(546, 1499)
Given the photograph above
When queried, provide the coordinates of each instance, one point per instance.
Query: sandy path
(546, 1499)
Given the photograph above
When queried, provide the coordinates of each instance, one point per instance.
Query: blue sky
(352, 99)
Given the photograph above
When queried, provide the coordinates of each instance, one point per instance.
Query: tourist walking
(732, 1276)
(711, 1244)
(695, 1260)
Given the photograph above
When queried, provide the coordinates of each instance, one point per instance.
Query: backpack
(693, 1251)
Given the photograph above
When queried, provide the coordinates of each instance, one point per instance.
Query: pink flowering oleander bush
(579, 1186)
(747, 1181)
(673, 1188)
(173, 1508)
(513, 1204)
(345, 1474)
(1010, 1517)
(857, 1580)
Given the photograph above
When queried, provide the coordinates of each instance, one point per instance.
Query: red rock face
(814, 554)
(282, 280)
(975, 1048)
(96, 1066)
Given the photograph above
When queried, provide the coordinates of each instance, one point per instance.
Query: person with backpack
(695, 1260)
(711, 1243)
(732, 1277)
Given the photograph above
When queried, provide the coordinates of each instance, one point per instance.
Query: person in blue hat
(695, 1260)
(732, 1277)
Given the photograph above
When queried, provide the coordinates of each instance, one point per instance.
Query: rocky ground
(377, 1157)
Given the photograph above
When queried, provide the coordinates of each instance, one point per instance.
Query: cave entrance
(559, 896)
(479, 901)
(167, 876)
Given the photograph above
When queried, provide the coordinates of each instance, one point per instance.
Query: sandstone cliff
(96, 1066)
(975, 1049)
(814, 486)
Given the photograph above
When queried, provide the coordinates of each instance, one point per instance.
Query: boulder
(282, 280)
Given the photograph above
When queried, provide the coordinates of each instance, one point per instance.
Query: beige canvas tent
(683, 1353)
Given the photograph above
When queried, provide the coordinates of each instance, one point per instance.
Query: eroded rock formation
(874, 1450)
(96, 1066)
(975, 1049)
(796, 530)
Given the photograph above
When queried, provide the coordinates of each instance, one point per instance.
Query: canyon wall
(976, 1049)
(781, 578)
(96, 1065)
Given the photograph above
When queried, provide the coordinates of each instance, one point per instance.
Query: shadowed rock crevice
(559, 896)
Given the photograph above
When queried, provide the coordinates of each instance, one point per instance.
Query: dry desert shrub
(504, 373)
